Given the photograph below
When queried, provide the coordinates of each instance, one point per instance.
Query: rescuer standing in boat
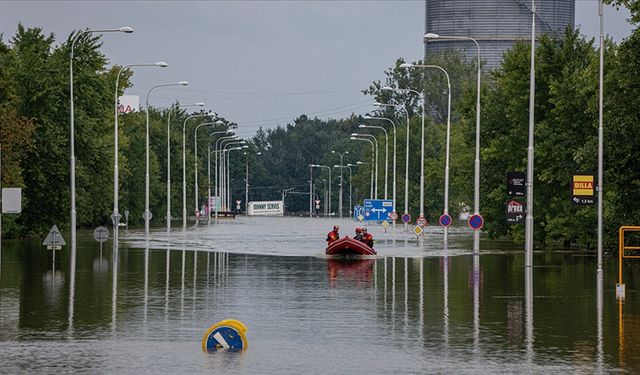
(367, 238)
(333, 235)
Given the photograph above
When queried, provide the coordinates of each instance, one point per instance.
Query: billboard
(266, 208)
(128, 103)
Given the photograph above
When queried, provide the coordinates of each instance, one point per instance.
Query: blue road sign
(445, 220)
(377, 209)
(406, 218)
(357, 211)
(476, 221)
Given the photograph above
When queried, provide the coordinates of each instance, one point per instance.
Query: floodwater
(416, 308)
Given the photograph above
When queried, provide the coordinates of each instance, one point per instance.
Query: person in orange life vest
(333, 235)
(358, 235)
(367, 238)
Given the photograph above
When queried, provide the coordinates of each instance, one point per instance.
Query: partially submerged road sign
(54, 238)
(101, 234)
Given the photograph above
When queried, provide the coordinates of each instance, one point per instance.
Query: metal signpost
(54, 241)
(377, 209)
(101, 234)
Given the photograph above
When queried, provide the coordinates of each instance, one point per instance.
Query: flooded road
(416, 308)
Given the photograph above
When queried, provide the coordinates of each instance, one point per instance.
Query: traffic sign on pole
(393, 216)
(421, 221)
(515, 212)
(358, 211)
(445, 220)
(406, 218)
(377, 209)
(516, 183)
(476, 221)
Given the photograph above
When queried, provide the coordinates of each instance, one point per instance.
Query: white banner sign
(266, 208)
(128, 104)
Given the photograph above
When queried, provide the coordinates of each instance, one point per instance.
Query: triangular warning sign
(54, 238)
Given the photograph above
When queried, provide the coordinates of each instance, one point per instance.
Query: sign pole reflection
(476, 304)
(528, 285)
(114, 288)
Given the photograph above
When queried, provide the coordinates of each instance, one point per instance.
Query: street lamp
(228, 158)
(329, 168)
(406, 161)
(209, 173)
(184, 164)
(386, 152)
(199, 104)
(224, 166)
(373, 163)
(246, 180)
(219, 171)
(430, 37)
(350, 177)
(72, 142)
(421, 95)
(446, 168)
(340, 195)
(195, 151)
(367, 117)
(115, 217)
(375, 144)
(147, 213)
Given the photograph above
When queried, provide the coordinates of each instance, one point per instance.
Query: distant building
(496, 24)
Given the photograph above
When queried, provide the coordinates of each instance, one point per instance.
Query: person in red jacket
(367, 238)
(333, 235)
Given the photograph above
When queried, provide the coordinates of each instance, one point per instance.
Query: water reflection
(439, 312)
(351, 272)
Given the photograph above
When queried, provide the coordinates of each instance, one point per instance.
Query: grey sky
(259, 62)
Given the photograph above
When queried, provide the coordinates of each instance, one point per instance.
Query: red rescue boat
(349, 246)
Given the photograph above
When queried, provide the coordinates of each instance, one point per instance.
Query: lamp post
(393, 193)
(199, 104)
(115, 217)
(236, 148)
(406, 161)
(246, 180)
(375, 144)
(310, 191)
(386, 153)
(372, 160)
(195, 167)
(224, 175)
(184, 164)
(348, 166)
(430, 37)
(72, 158)
(218, 174)
(600, 137)
(329, 168)
(421, 95)
(147, 213)
(446, 167)
(209, 172)
(340, 195)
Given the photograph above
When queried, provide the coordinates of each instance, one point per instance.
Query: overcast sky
(258, 62)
